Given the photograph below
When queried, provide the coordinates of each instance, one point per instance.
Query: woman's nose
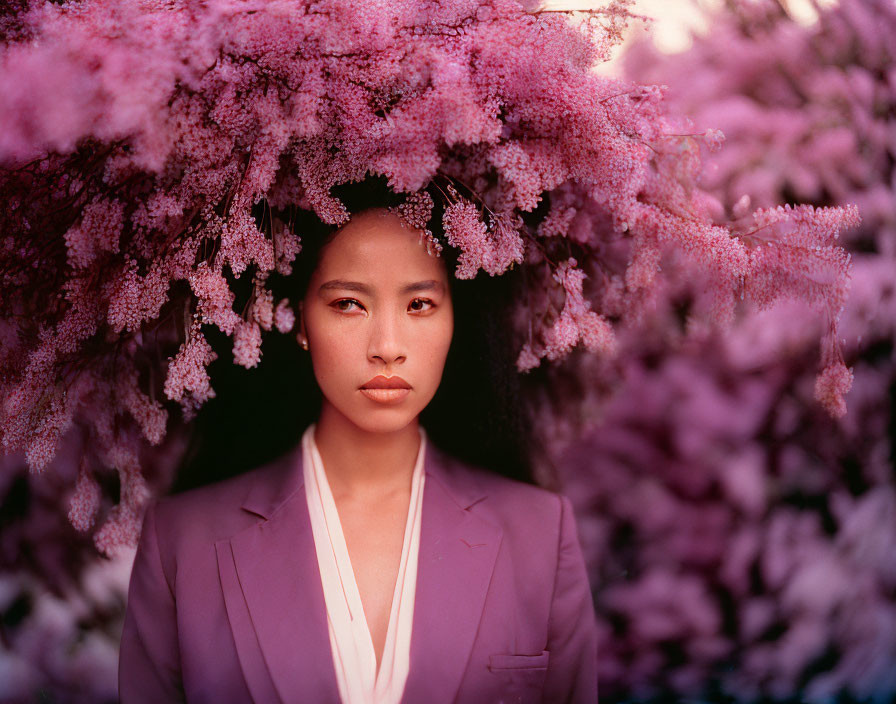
(387, 339)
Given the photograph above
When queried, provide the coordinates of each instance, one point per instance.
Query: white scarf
(354, 657)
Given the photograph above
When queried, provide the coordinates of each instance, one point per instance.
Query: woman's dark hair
(477, 415)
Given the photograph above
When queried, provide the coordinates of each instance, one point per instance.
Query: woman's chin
(382, 418)
(371, 416)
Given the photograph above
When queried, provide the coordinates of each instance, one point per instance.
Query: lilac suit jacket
(225, 602)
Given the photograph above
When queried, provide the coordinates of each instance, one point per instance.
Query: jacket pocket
(501, 661)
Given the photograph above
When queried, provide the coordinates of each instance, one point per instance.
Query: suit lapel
(276, 564)
(278, 583)
(457, 556)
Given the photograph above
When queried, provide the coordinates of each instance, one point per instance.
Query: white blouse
(354, 657)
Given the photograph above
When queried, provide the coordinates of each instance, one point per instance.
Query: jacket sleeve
(572, 633)
(149, 658)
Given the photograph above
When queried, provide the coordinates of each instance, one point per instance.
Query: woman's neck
(364, 465)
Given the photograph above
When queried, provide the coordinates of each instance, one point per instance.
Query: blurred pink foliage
(135, 139)
(61, 605)
(740, 543)
(65, 647)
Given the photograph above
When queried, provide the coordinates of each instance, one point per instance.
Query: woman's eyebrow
(341, 284)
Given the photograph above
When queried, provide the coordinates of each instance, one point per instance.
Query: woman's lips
(386, 382)
(386, 389)
(386, 395)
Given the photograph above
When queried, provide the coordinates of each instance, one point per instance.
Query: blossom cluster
(739, 542)
(740, 546)
(149, 151)
(61, 604)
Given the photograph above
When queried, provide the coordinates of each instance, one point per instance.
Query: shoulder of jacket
(532, 518)
(507, 497)
(213, 511)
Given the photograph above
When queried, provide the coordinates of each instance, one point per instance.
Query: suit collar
(275, 598)
(287, 478)
(276, 484)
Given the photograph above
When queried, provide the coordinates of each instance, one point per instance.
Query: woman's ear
(303, 335)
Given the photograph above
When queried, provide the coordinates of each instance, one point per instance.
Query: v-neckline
(345, 569)
(353, 592)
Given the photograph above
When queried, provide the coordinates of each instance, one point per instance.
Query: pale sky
(675, 19)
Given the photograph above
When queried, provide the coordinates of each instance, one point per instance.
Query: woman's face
(377, 305)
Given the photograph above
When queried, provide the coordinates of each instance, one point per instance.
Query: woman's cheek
(330, 357)
(436, 352)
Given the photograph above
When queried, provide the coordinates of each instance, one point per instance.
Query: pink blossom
(98, 232)
(286, 246)
(85, 501)
(247, 344)
(215, 298)
(416, 211)
(187, 379)
(830, 388)
(150, 415)
(714, 139)
(263, 307)
(284, 317)
(242, 243)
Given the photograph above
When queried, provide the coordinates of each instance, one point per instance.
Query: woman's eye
(350, 301)
(424, 301)
(417, 305)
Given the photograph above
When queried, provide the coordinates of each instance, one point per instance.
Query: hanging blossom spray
(135, 139)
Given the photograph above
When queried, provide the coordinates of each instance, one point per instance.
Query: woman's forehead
(430, 286)
(377, 245)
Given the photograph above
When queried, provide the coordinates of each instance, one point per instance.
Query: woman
(366, 564)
